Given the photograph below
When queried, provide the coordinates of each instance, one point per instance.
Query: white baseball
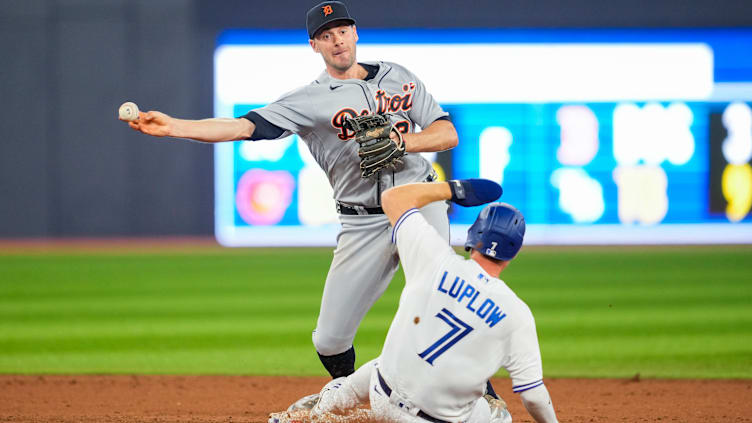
(128, 111)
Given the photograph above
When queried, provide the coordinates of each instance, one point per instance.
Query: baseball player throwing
(457, 323)
(327, 115)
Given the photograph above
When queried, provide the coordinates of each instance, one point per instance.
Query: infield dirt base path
(238, 399)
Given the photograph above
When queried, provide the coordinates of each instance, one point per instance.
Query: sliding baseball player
(457, 323)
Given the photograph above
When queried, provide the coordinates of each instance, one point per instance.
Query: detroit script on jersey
(317, 113)
(384, 104)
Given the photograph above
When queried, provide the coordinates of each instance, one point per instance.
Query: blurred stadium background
(600, 164)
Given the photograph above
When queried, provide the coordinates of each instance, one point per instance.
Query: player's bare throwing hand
(364, 260)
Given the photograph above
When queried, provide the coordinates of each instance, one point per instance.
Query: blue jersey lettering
(467, 293)
(441, 284)
(495, 317)
(454, 293)
(472, 300)
(485, 308)
(462, 290)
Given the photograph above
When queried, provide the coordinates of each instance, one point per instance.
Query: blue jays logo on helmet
(497, 232)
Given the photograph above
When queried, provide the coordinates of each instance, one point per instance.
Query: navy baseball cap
(324, 13)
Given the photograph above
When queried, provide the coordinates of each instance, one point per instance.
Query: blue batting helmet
(497, 232)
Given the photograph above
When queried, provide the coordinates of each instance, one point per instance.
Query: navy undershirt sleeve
(265, 130)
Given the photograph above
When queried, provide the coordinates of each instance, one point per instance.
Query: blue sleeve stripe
(402, 218)
(526, 387)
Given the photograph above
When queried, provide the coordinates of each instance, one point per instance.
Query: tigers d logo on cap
(324, 13)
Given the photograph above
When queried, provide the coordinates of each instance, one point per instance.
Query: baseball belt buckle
(361, 210)
(339, 207)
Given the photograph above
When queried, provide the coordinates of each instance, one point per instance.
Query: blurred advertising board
(597, 136)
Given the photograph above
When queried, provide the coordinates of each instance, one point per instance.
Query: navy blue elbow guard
(474, 192)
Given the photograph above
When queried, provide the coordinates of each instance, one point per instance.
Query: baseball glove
(377, 150)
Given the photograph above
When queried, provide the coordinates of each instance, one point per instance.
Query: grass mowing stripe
(270, 360)
(141, 342)
(158, 306)
(663, 312)
(131, 327)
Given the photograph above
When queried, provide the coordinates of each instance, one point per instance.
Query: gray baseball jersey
(317, 113)
(365, 260)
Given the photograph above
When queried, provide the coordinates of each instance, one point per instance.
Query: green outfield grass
(677, 312)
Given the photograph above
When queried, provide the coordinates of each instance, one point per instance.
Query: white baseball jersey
(455, 327)
(317, 113)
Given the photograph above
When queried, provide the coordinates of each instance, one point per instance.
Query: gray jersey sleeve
(291, 112)
(425, 108)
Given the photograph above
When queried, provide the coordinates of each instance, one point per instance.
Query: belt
(356, 210)
(388, 392)
(360, 210)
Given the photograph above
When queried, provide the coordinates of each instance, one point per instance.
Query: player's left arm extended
(438, 136)
(396, 201)
(466, 192)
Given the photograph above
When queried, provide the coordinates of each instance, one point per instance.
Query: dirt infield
(236, 399)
